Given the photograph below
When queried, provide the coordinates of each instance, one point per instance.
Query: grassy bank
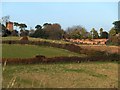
(26, 51)
(55, 75)
(34, 39)
(64, 75)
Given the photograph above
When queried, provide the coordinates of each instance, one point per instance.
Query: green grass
(72, 75)
(59, 75)
(0, 76)
(25, 51)
(10, 38)
(34, 39)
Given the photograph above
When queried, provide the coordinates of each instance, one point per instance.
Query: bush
(24, 40)
(42, 59)
(114, 40)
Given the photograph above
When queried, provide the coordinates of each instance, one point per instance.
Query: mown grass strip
(27, 51)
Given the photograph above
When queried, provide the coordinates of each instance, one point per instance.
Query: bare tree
(5, 19)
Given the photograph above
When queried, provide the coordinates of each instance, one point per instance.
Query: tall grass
(73, 75)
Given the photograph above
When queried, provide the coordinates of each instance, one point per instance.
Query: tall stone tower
(9, 26)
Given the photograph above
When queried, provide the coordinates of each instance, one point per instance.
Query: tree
(27, 32)
(77, 32)
(2, 26)
(112, 32)
(94, 33)
(89, 36)
(23, 33)
(5, 19)
(47, 25)
(16, 24)
(104, 35)
(117, 26)
(52, 31)
(22, 26)
(84, 33)
(14, 33)
(114, 38)
(38, 33)
(56, 31)
(5, 33)
(31, 32)
(101, 30)
(38, 27)
(22, 29)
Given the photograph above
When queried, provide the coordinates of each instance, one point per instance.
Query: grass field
(110, 49)
(25, 51)
(0, 76)
(35, 39)
(62, 75)
(59, 75)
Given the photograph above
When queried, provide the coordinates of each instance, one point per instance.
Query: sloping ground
(62, 75)
(90, 54)
(29, 51)
(34, 39)
(109, 49)
(70, 47)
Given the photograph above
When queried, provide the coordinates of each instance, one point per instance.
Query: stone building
(9, 26)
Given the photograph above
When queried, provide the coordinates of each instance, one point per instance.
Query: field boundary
(92, 55)
(43, 59)
(70, 47)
